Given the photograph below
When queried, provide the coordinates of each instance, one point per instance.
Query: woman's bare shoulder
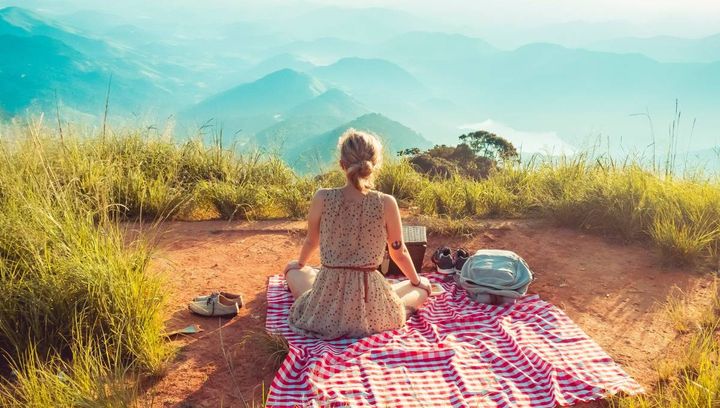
(323, 193)
(387, 199)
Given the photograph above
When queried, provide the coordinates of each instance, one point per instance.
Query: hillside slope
(253, 106)
(311, 118)
(42, 59)
(320, 149)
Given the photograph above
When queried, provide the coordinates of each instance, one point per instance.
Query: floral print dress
(349, 297)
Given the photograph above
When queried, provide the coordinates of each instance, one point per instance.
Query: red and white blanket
(452, 353)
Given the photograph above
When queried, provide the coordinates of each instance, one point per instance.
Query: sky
(689, 18)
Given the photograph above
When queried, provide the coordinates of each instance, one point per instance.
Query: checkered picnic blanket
(452, 353)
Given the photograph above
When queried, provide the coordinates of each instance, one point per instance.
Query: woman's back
(352, 232)
(349, 297)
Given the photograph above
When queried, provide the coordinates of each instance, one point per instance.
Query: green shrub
(399, 179)
(294, 200)
(686, 223)
(244, 201)
(331, 179)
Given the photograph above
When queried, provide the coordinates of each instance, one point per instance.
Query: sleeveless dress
(349, 297)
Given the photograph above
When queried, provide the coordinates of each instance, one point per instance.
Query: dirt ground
(612, 290)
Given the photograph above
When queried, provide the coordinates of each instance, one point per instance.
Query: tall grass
(78, 307)
(153, 177)
(692, 378)
(680, 216)
(71, 280)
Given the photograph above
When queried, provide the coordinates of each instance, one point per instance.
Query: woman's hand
(424, 283)
(294, 264)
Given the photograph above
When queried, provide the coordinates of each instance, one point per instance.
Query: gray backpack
(495, 276)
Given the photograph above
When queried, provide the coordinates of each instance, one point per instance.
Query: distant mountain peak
(384, 127)
(331, 103)
(29, 20)
(364, 61)
(286, 74)
(14, 10)
(20, 17)
(321, 148)
(376, 76)
(335, 94)
(255, 105)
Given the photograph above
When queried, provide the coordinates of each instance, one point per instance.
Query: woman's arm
(312, 239)
(396, 246)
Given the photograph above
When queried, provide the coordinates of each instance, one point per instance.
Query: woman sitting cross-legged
(347, 296)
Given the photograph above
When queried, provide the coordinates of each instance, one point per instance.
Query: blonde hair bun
(361, 155)
(366, 168)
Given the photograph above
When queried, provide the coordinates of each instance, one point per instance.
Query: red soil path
(613, 290)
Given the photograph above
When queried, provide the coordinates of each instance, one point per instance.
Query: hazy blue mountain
(374, 77)
(311, 118)
(382, 85)
(435, 57)
(379, 60)
(24, 23)
(568, 34)
(95, 21)
(318, 151)
(356, 24)
(665, 48)
(560, 75)
(130, 34)
(533, 86)
(324, 49)
(435, 47)
(41, 57)
(543, 75)
(276, 63)
(256, 105)
(40, 66)
(253, 38)
(334, 103)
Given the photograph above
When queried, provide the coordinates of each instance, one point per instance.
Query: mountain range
(46, 64)
(314, 153)
(300, 116)
(293, 83)
(665, 48)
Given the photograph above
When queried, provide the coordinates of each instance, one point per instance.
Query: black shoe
(443, 260)
(461, 256)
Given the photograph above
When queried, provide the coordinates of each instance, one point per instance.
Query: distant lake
(526, 142)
